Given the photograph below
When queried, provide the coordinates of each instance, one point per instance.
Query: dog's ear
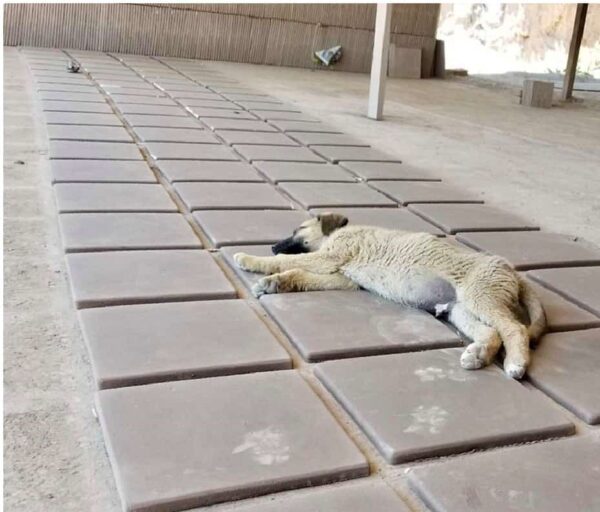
(331, 221)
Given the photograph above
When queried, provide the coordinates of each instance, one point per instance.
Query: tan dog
(481, 294)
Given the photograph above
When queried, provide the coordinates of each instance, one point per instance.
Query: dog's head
(309, 236)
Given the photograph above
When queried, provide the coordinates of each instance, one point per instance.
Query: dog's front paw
(515, 368)
(264, 285)
(243, 261)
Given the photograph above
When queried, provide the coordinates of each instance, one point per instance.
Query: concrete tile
(240, 96)
(340, 324)
(580, 285)
(233, 89)
(95, 97)
(453, 218)
(127, 99)
(76, 106)
(562, 315)
(303, 171)
(79, 88)
(248, 278)
(231, 196)
(533, 250)
(407, 192)
(112, 197)
(250, 226)
(255, 153)
(176, 151)
(85, 232)
(269, 115)
(202, 112)
(209, 103)
(236, 137)
(79, 118)
(137, 120)
(125, 171)
(424, 404)
(112, 84)
(217, 123)
(492, 482)
(207, 170)
(565, 366)
(264, 106)
(154, 110)
(141, 344)
(364, 495)
(70, 149)
(347, 153)
(302, 126)
(202, 94)
(133, 277)
(388, 218)
(280, 444)
(326, 139)
(150, 134)
(88, 133)
(131, 92)
(67, 79)
(191, 87)
(317, 195)
(387, 171)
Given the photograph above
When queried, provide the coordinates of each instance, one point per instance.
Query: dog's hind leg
(298, 280)
(313, 262)
(486, 340)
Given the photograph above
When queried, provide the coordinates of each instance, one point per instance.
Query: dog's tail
(530, 300)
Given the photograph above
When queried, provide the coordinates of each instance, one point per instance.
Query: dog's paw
(473, 357)
(265, 285)
(515, 369)
(243, 260)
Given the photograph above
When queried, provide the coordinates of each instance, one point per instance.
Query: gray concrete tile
(302, 126)
(202, 112)
(204, 94)
(387, 171)
(127, 99)
(388, 218)
(364, 495)
(270, 115)
(125, 171)
(303, 171)
(183, 135)
(251, 97)
(424, 404)
(209, 103)
(207, 170)
(318, 195)
(141, 344)
(236, 137)
(87, 97)
(580, 285)
(71, 149)
(67, 79)
(326, 139)
(130, 92)
(231, 196)
(407, 192)
(453, 218)
(112, 197)
(137, 120)
(256, 153)
(280, 444)
(248, 278)
(85, 232)
(265, 106)
(153, 110)
(133, 277)
(79, 118)
(114, 85)
(533, 250)
(340, 324)
(565, 366)
(563, 315)
(216, 123)
(249, 226)
(347, 153)
(237, 89)
(183, 151)
(191, 87)
(518, 478)
(79, 88)
(88, 133)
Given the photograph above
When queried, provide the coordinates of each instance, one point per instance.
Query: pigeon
(73, 67)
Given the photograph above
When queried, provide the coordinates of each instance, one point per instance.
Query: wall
(278, 34)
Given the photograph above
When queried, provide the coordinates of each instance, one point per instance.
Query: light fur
(401, 266)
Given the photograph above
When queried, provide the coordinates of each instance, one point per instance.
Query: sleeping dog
(481, 295)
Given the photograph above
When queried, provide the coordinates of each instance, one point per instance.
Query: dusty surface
(540, 164)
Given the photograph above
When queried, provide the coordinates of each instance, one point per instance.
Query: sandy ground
(538, 163)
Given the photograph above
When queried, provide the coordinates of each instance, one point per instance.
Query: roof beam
(578, 28)
(379, 63)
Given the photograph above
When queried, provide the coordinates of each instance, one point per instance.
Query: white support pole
(379, 64)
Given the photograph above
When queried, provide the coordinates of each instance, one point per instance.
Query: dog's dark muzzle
(289, 246)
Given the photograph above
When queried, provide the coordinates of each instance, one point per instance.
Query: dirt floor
(542, 164)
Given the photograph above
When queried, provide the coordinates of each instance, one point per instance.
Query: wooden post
(379, 63)
(578, 27)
